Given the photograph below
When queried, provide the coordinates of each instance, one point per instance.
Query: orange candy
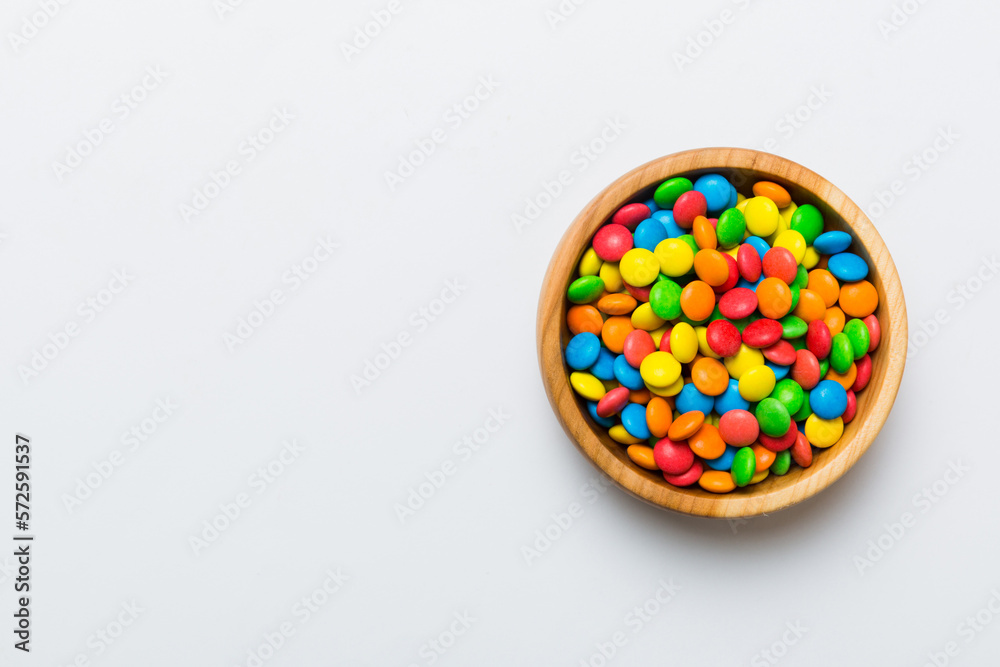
(659, 416)
(642, 456)
(717, 481)
(859, 299)
(765, 457)
(846, 380)
(711, 267)
(707, 443)
(584, 319)
(616, 304)
(616, 329)
(710, 377)
(810, 307)
(835, 320)
(774, 298)
(640, 396)
(774, 192)
(686, 425)
(704, 234)
(823, 283)
(698, 300)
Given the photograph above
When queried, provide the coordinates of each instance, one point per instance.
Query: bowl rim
(766, 497)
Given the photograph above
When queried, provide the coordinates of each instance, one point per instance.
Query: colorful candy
(718, 338)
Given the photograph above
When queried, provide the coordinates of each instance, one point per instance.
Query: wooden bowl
(742, 167)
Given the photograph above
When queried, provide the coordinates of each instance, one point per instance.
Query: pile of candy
(721, 349)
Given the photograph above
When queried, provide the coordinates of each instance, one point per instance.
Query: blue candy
(733, 199)
(716, 189)
(604, 367)
(651, 205)
(666, 218)
(828, 399)
(634, 421)
(730, 399)
(606, 422)
(724, 462)
(779, 371)
(848, 267)
(832, 242)
(649, 233)
(628, 376)
(690, 399)
(582, 351)
(743, 282)
(758, 244)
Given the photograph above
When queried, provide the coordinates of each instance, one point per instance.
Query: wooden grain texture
(743, 167)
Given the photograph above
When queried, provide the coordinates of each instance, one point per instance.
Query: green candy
(730, 228)
(824, 366)
(790, 394)
(585, 289)
(689, 239)
(860, 337)
(808, 221)
(741, 323)
(744, 466)
(801, 277)
(805, 411)
(773, 417)
(799, 343)
(795, 295)
(841, 353)
(782, 462)
(665, 299)
(717, 315)
(793, 327)
(666, 195)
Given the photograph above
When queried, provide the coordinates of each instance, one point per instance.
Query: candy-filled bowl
(782, 424)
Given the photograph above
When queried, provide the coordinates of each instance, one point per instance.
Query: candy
(860, 337)
(709, 376)
(659, 416)
(704, 233)
(587, 386)
(631, 215)
(689, 206)
(858, 299)
(773, 417)
(874, 332)
(706, 442)
(730, 228)
(780, 263)
(639, 267)
(762, 216)
(637, 346)
(584, 318)
(823, 432)
(723, 338)
(660, 369)
(614, 332)
(590, 263)
(781, 353)
(711, 267)
(810, 307)
(782, 462)
(808, 221)
(762, 333)
(613, 402)
(841, 353)
(668, 191)
(612, 242)
(738, 303)
(627, 374)
(818, 339)
(774, 192)
(783, 442)
(665, 299)
(739, 428)
(686, 425)
(697, 300)
(748, 261)
(585, 289)
(716, 481)
(673, 457)
(847, 266)
(774, 298)
(634, 421)
(675, 257)
(805, 371)
(690, 399)
(616, 304)
(757, 383)
(831, 243)
(744, 466)
(715, 189)
(642, 456)
(649, 234)
(864, 368)
(582, 351)
(828, 399)
(686, 478)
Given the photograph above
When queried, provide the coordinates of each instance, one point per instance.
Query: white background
(877, 101)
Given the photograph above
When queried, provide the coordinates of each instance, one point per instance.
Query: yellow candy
(739, 200)
(757, 383)
(619, 434)
(762, 216)
(666, 392)
(658, 335)
(611, 276)
(811, 258)
(786, 213)
(703, 346)
(741, 204)
(780, 229)
(794, 242)
(745, 359)
(639, 267)
(760, 476)
(587, 386)
(683, 342)
(823, 432)
(644, 318)
(675, 257)
(659, 369)
(591, 264)
(733, 252)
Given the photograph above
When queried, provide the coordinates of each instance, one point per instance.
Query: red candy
(874, 331)
(748, 261)
(780, 263)
(783, 442)
(739, 428)
(734, 275)
(613, 402)
(852, 407)
(665, 340)
(802, 451)
(687, 478)
(630, 216)
(738, 303)
(612, 242)
(689, 206)
(723, 337)
(805, 370)
(762, 333)
(638, 345)
(638, 293)
(818, 339)
(673, 458)
(864, 366)
(781, 353)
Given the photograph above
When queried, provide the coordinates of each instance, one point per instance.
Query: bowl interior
(742, 168)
